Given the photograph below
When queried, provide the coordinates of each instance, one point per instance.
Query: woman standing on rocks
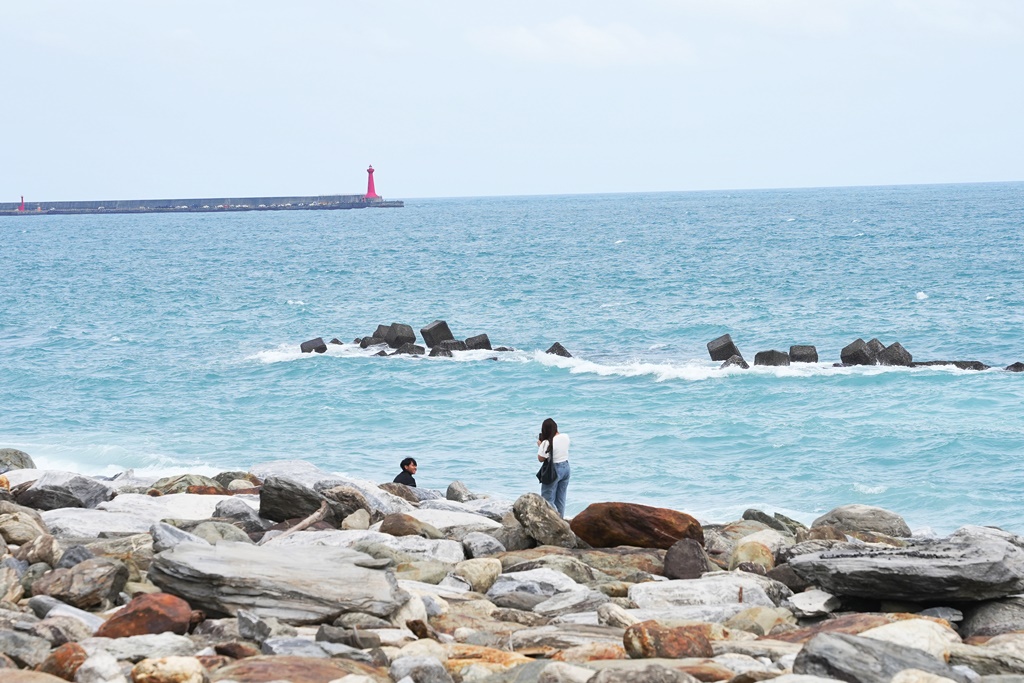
(551, 443)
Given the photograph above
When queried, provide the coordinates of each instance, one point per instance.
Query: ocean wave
(873, 490)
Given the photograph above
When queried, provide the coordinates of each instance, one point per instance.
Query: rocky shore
(285, 572)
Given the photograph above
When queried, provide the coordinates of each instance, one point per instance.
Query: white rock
(714, 614)
(414, 609)
(741, 663)
(447, 521)
(665, 595)
(922, 634)
(541, 581)
(918, 676)
(172, 506)
(581, 599)
(420, 588)
(393, 637)
(19, 477)
(424, 648)
(802, 678)
(812, 603)
(305, 473)
(85, 523)
(442, 550)
(137, 648)
(769, 538)
(560, 672)
(100, 667)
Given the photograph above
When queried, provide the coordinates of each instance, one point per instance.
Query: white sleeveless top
(561, 448)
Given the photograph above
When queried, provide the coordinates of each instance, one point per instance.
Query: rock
(345, 500)
(864, 518)
(560, 672)
(381, 332)
(895, 354)
(605, 525)
(406, 525)
(620, 563)
(723, 348)
(981, 568)
(177, 506)
(64, 661)
(72, 556)
(578, 571)
(87, 584)
(752, 552)
(735, 361)
(562, 637)
(863, 660)
(479, 573)
(545, 582)
(812, 603)
(166, 536)
(435, 333)
(513, 536)
(137, 648)
(367, 342)
(354, 638)
(453, 345)
(55, 489)
(403, 491)
(43, 548)
(100, 667)
(993, 617)
(558, 350)
(542, 522)
(457, 491)
(411, 350)
(922, 634)
(282, 499)
(61, 629)
(478, 342)
(716, 588)
(876, 347)
(760, 620)
(645, 672)
(19, 525)
(295, 670)
(215, 532)
(148, 613)
(420, 670)
(438, 352)
(294, 647)
(803, 354)
(11, 589)
(360, 519)
(252, 626)
(26, 651)
(13, 459)
(1015, 367)
(960, 364)
(169, 670)
(857, 353)
(375, 544)
(650, 639)
(241, 514)
(83, 523)
(45, 606)
(454, 524)
(772, 357)
(294, 587)
(186, 483)
(312, 345)
(578, 600)
(478, 544)
(398, 335)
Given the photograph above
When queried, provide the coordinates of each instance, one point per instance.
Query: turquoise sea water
(169, 343)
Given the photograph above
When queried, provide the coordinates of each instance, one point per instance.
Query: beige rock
(560, 672)
(19, 527)
(169, 670)
(590, 652)
(11, 589)
(923, 634)
(610, 614)
(987, 661)
(918, 676)
(354, 678)
(480, 572)
(424, 571)
(475, 662)
(424, 648)
(753, 552)
(774, 540)
(43, 548)
(760, 620)
(412, 610)
(360, 519)
(239, 484)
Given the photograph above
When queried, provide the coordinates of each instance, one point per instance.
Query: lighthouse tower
(371, 193)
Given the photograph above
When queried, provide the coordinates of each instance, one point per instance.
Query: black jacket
(405, 478)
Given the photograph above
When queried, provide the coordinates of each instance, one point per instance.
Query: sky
(155, 99)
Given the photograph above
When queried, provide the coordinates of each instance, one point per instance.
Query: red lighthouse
(371, 193)
(21, 207)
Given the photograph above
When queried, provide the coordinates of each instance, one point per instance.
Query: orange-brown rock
(267, 668)
(206, 490)
(17, 676)
(214, 662)
(64, 661)
(148, 613)
(650, 639)
(236, 650)
(606, 525)
(590, 652)
(707, 670)
(465, 661)
(851, 624)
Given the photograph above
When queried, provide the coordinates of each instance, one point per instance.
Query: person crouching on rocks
(408, 469)
(553, 444)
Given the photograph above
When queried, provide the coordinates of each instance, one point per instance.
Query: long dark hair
(548, 429)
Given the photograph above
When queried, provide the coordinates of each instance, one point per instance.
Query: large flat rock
(307, 587)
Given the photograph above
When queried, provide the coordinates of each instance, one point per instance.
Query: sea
(168, 344)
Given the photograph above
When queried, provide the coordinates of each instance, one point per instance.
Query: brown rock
(542, 522)
(18, 524)
(148, 613)
(475, 659)
(825, 532)
(606, 525)
(44, 548)
(848, 623)
(236, 650)
(64, 661)
(754, 553)
(182, 483)
(16, 676)
(345, 500)
(590, 652)
(266, 668)
(399, 524)
(400, 490)
(85, 585)
(650, 639)
(214, 662)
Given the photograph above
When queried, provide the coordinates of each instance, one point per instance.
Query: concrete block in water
(480, 341)
(399, 334)
(314, 345)
(723, 348)
(559, 350)
(895, 354)
(803, 354)
(435, 333)
(857, 353)
(773, 357)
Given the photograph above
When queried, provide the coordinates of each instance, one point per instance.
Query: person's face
(411, 468)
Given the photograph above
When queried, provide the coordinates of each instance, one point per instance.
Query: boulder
(752, 552)
(100, 667)
(148, 613)
(241, 514)
(438, 352)
(187, 483)
(214, 532)
(723, 348)
(376, 544)
(458, 492)
(542, 522)
(312, 345)
(55, 489)
(895, 354)
(715, 588)
(435, 333)
(864, 660)
(858, 517)
(44, 548)
(454, 524)
(735, 361)
(479, 573)
(64, 661)
(26, 651)
(346, 500)
(760, 620)
(398, 334)
(421, 669)
(403, 491)
(83, 523)
(650, 639)
(478, 544)
(360, 519)
(19, 525)
(606, 525)
(513, 536)
(686, 559)
(295, 670)
(922, 634)
(576, 601)
(367, 342)
(169, 670)
(812, 603)
(381, 332)
(857, 353)
(478, 342)
(166, 536)
(993, 617)
(61, 629)
(400, 524)
(623, 672)
(410, 349)
(544, 582)
(1015, 367)
(773, 357)
(980, 568)
(307, 587)
(13, 459)
(453, 345)
(87, 584)
(959, 364)
(282, 499)
(799, 353)
(558, 350)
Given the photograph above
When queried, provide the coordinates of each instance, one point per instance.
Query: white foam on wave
(873, 490)
(619, 241)
(921, 296)
(296, 302)
(291, 352)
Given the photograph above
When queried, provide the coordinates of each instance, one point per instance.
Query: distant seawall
(210, 204)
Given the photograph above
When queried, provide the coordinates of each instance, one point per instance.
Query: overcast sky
(121, 100)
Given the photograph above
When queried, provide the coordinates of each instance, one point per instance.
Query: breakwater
(209, 204)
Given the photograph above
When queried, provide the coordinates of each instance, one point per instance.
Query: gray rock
(642, 672)
(895, 354)
(564, 636)
(478, 343)
(166, 537)
(686, 559)
(355, 638)
(519, 600)
(864, 660)
(438, 352)
(1015, 367)
(735, 361)
(582, 599)
(479, 544)
(513, 537)
(857, 517)
(252, 626)
(399, 335)
(558, 350)
(55, 489)
(295, 587)
(240, 514)
(72, 556)
(773, 358)
(345, 500)
(282, 499)
(381, 332)
(360, 620)
(367, 342)
(542, 522)
(312, 345)
(420, 669)
(27, 651)
(857, 353)
(45, 607)
(58, 630)
(950, 614)
(13, 459)
(458, 492)
(930, 571)
(560, 672)
(543, 581)
(340, 651)
(453, 345)
(993, 617)
(876, 347)
(715, 588)
(294, 647)
(723, 348)
(87, 584)
(803, 354)
(766, 519)
(435, 333)
(961, 364)
(137, 648)
(215, 532)
(410, 349)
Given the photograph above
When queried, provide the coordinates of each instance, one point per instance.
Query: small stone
(169, 670)
(479, 544)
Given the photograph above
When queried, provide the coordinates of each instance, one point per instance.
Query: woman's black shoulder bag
(546, 474)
